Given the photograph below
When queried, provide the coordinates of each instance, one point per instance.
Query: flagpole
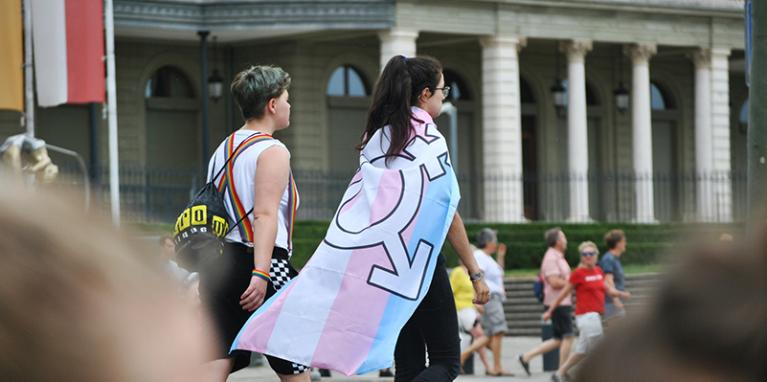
(29, 91)
(114, 175)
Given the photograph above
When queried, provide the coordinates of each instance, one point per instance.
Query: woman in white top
(493, 315)
(261, 198)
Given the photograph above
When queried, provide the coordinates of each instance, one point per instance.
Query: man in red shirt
(588, 281)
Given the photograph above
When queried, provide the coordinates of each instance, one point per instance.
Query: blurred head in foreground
(708, 322)
(78, 304)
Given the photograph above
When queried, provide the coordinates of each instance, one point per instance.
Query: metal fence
(156, 195)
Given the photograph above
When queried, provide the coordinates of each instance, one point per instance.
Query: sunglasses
(589, 253)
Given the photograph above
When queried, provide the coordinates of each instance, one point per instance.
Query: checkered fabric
(298, 369)
(280, 273)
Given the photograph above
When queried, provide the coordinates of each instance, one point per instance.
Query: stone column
(720, 132)
(712, 135)
(703, 139)
(641, 116)
(577, 128)
(397, 41)
(501, 130)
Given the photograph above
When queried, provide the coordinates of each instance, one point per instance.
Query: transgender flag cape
(346, 308)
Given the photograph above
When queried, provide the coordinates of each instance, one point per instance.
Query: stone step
(523, 310)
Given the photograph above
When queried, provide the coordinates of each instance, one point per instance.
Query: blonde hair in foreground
(78, 303)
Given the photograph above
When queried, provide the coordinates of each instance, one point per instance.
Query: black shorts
(222, 281)
(562, 322)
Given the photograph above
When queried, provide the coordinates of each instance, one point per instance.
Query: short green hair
(253, 87)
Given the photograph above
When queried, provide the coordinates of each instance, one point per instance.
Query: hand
(254, 294)
(547, 315)
(502, 249)
(618, 304)
(481, 292)
(626, 295)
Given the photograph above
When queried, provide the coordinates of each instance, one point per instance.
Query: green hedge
(647, 243)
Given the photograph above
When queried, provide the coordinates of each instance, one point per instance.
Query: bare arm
(457, 237)
(272, 174)
(562, 295)
(556, 282)
(610, 283)
(614, 293)
(500, 255)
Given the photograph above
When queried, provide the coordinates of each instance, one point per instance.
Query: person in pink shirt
(588, 282)
(556, 272)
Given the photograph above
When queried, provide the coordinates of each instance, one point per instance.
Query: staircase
(523, 311)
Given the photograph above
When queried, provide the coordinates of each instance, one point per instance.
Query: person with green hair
(261, 197)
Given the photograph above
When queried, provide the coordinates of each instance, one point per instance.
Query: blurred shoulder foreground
(80, 303)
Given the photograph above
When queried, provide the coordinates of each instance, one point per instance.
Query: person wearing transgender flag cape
(376, 289)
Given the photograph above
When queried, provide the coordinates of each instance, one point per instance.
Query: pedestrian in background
(610, 263)
(468, 315)
(493, 318)
(590, 288)
(704, 322)
(556, 272)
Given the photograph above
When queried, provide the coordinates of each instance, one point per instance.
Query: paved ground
(512, 346)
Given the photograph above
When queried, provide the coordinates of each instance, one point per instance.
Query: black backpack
(204, 223)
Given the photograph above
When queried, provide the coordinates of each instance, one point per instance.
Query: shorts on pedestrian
(467, 318)
(222, 281)
(590, 328)
(562, 322)
(494, 318)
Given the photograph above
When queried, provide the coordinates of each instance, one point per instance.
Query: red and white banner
(68, 37)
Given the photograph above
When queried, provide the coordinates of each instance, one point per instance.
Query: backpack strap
(292, 210)
(226, 183)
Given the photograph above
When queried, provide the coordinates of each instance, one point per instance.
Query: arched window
(346, 81)
(660, 98)
(458, 88)
(168, 82)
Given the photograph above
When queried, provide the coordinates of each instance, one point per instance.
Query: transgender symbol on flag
(405, 279)
(346, 308)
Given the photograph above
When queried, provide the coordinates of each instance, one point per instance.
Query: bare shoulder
(275, 155)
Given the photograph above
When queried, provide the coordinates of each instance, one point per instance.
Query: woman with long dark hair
(406, 99)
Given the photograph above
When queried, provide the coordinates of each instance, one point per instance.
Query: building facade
(649, 126)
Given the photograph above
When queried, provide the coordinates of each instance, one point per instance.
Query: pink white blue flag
(346, 308)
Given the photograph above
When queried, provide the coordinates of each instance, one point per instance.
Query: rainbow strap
(240, 213)
(292, 210)
(245, 227)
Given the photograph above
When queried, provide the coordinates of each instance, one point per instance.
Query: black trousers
(433, 328)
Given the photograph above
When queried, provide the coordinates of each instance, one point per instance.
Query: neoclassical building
(568, 110)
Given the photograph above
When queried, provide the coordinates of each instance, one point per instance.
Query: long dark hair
(397, 89)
